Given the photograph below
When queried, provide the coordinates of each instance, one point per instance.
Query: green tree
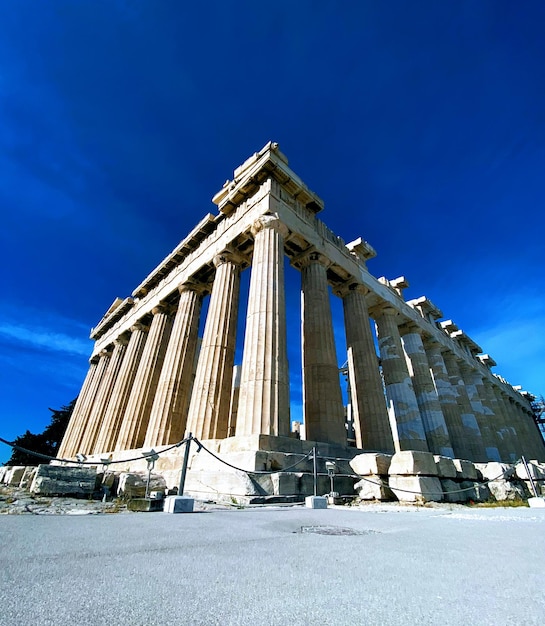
(47, 442)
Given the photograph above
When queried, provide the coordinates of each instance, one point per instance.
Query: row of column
(149, 388)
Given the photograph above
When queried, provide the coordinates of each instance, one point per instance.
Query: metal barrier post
(184, 464)
(530, 478)
(315, 471)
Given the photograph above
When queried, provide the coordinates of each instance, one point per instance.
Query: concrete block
(374, 488)
(316, 502)
(538, 503)
(445, 466)
(178, 504)
(416, 488)
(145, 505)
(59, 480)
(465, 470)
(413, 463)
(371, 463)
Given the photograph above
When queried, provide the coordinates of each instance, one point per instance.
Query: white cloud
(44, 338)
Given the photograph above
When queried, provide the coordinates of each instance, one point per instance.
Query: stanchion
(181, 503)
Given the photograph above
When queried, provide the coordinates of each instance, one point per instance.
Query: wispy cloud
(43, 338)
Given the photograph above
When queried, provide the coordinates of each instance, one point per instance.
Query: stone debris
(374, 487)
(371, 464)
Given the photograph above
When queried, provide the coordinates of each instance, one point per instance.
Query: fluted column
(433, 419)
(323, 408)
(263, 403)
(407, 426)
(208, 416)
(74, 431)
(136, 418)
(103, 396)
(115, 410)
(497, 425)
(474, 385)
(512, 427)
(169, 410)
(370, 415)
(447, 398)
(81, 445)
(474, 445)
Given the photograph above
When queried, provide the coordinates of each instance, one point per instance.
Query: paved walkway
(382, 565)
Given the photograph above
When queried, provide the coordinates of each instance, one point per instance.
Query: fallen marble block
(465, 470)
(371, 463)
(373, 488)
(14, 477)
(412, 463)
(416, 488)
(506, 490)
(494, 470)
(133, 485)
(59, 480)
(445, 466)
(453, 491)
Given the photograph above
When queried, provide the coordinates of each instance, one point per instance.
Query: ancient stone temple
(152, 378)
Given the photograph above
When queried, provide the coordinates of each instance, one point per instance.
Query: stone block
(416, 488)
(505, 490)
(374, 488)
(371, 464)
(3, 472)
(445, 466)
(316, 502)
(287, 484)
(452, 491)
(15, 476)
(412, 463)
(474, 491)
(224, 484)
(60, 480)
(535, 471)
(465, 470)
(178, 504)
(28, 477)
(494, 470)
(133, 485)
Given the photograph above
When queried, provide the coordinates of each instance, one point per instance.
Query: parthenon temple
(152, 379)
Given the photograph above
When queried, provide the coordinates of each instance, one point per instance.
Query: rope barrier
(47, 457)
(240, 469)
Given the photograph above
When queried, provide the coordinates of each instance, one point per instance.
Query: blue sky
(421, 125)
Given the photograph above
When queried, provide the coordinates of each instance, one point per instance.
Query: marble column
(513, 429)
(474, 440)
(103, 396)
(484, 413)
(447, 398)
(263, 403)
(407, 426)
(323, 408)
(498, 423)
(169, 410)
(435, 427)
(473, 383)
(370, 415)
(72, 437)
(80, 444)
(115, 410)
(135, 421)
(208, 416)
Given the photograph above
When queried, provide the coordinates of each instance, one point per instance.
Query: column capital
(122, 340)
(189, 285)
(383, 308)
(310, 256)
(228, 256)
(270, 221)
(139, 326)
(409, 327)
(162, 308)
(350, 287)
